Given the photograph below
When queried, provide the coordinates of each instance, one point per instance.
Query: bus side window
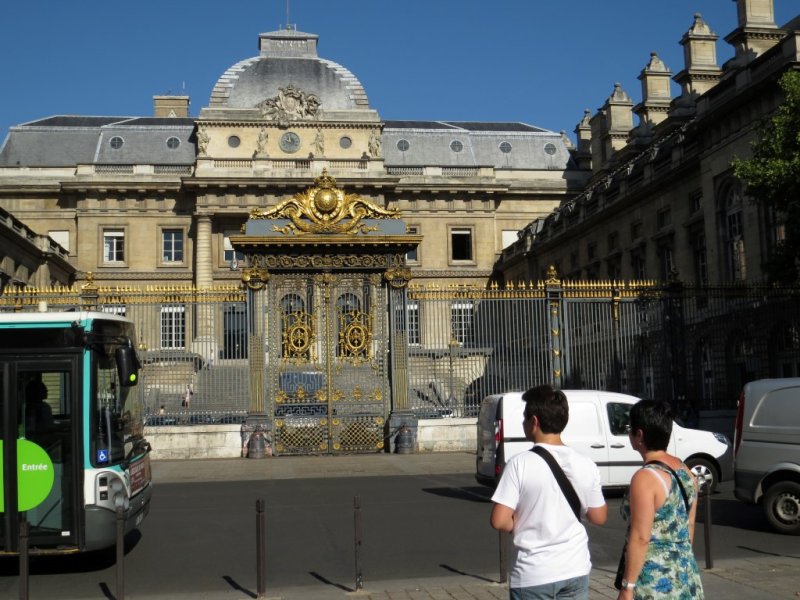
(38, 413)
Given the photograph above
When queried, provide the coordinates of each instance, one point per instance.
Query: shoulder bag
(621, 566)
(561, 478)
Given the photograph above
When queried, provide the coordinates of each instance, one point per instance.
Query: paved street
(425, 536)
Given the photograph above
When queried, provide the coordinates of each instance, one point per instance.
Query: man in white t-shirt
(551, 547)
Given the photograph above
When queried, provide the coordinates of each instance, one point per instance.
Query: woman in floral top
(660, 509)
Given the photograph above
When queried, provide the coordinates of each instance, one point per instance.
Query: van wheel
(782, 507)
(703, 468)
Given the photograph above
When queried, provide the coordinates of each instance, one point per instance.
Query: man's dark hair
(549, 406)
(655, 421)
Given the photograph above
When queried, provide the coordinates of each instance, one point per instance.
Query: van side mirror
(127, 365)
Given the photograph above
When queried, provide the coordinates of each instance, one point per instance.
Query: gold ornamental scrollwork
(255, 278)
(325, 208)
(398, 277)
(255, 275)
(298, 337)
(355, 335)
(318, 261)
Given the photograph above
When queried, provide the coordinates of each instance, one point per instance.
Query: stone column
(205, 342)
(204, 277)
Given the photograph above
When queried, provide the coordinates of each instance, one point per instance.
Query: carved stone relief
(291, 104)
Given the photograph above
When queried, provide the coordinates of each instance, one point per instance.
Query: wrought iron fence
(693, 347)
(192, 343)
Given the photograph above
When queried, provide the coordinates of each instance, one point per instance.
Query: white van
(597, 427)
(767, 450)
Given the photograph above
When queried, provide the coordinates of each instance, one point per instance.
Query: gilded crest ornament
(398, 277)
(291, 104)
(325, 208)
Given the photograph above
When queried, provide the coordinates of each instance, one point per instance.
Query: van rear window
(778, 407)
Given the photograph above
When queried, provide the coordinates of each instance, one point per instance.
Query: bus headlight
(119, 495)
(121, 499)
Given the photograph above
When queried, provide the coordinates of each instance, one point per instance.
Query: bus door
(39, 470)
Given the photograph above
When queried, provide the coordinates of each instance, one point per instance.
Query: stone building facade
(662, 200)
(155, 199)
(30, 258)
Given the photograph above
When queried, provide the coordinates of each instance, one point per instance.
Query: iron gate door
(327, 380)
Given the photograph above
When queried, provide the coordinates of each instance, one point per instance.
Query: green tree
(772, 177)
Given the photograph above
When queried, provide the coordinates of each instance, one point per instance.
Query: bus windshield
(118, 417)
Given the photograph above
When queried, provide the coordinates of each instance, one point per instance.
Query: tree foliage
(772, 176)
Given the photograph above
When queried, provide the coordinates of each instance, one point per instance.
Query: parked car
(767, 450)
(598, 428)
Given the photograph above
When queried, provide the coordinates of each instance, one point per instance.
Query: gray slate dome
(288, 57)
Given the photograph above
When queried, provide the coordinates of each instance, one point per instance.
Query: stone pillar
(400, 417)
(756, 32)
(204, 277)
(701, 71)
(205, 342)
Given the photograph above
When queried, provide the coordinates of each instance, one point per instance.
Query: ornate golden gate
(321, 268)
(327, 381)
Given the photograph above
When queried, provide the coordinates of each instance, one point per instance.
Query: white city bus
(72, 447)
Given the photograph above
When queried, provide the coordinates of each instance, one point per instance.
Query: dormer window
(116, 142)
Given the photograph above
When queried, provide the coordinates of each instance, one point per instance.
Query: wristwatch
(628, 585)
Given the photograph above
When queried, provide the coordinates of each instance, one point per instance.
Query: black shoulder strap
(678, 479)
(561, 478)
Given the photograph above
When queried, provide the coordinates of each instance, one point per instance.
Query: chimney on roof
(170, 106)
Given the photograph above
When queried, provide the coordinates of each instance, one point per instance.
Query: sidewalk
(758, 578)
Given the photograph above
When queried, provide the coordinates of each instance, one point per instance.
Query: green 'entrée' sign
(35, 475)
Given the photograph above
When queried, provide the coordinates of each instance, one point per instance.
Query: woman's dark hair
(655, 421)
(549, 406)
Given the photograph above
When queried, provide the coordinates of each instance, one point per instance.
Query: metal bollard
(503, 544)
(706, 494)
(24, 558)
(404, 443)
(261, 550)
(120, 553)
(257, 446)
(357, 541)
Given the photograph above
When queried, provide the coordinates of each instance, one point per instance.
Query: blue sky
(537, 61)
